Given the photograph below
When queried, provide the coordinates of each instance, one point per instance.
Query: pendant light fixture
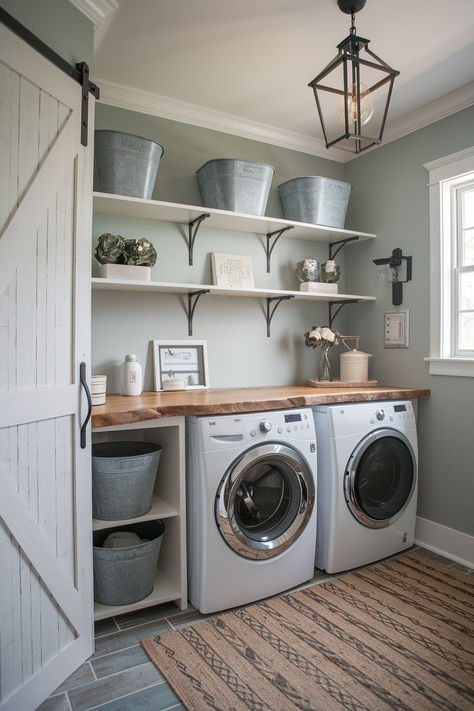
(353, 91)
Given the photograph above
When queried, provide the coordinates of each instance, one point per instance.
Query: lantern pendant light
(353, 91)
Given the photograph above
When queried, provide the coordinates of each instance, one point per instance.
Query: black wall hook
(394, 262)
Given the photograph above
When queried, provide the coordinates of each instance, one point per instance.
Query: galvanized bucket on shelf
(123, 479)
(320, 201)
(123, 576)
(234, 184)
(125, 164)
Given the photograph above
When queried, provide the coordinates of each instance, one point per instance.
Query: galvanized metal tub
(234, 184)
(123, 479)
(126, 575)
(125, 164)
(320, 201)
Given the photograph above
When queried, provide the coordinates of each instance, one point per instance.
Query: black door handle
(82, 373)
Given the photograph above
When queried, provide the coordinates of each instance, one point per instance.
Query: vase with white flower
(324, 338)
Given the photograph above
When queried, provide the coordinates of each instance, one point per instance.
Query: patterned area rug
(397, 635)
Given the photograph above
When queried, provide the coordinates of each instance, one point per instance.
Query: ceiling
(243, 66)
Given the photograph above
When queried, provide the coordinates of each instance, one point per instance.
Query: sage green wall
(240, 354)
(391, 199)
(57, 23)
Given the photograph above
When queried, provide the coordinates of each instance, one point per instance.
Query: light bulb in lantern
(366, 107)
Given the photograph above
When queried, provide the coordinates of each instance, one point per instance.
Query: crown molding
(155, 105)
(95, 10)
(430, 113)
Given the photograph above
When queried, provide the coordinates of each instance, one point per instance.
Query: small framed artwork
(180, 360)
(233, 271)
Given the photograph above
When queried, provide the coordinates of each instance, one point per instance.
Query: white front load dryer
(367, 482)
(251, 510)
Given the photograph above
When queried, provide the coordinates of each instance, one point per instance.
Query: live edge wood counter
(122, 410)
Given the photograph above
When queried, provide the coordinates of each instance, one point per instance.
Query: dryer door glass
(264, 501)
(380, 478)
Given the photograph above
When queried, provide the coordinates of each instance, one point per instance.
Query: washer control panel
(295, 424)
(225, 430)
(345, 419)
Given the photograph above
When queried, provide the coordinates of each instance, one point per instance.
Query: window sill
(463, 367)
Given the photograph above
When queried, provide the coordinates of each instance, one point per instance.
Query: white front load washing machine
(251, 510)
(367, 482)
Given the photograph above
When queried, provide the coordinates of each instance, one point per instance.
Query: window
(451, 186)
(463, 337)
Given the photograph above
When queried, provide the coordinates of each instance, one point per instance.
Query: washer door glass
(264, 501)
(380, 478)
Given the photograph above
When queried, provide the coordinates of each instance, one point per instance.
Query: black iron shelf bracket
(79, 73)
(276, 234)
(193, 298)
(339, 305)
(193, 227)
(342, 243)
(271, 311)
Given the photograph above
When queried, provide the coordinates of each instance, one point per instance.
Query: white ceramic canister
(355, 366)
(131, 376)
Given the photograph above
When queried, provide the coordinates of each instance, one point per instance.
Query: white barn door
(46, 607)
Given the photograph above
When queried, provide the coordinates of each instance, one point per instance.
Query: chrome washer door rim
(351, 472)
(234, 536)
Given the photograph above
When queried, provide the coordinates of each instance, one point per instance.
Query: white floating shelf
(175, 288)
(123, 206)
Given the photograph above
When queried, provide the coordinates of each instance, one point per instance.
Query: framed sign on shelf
(180, 360)
(232, 270)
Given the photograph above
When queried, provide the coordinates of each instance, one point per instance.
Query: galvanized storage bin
(126, 575)
(125, 164)
(320, 201)
(234, 184)
(123, 479)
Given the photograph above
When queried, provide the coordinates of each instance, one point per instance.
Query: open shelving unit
(168, 504)
(192, 217)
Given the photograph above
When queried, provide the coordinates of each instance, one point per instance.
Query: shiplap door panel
(46, 614)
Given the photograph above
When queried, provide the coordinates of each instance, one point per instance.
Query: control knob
(265, 425)
(379, 414)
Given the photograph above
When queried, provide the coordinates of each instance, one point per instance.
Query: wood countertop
(122, 410)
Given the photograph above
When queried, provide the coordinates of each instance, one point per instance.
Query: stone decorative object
(114, 249)
(109, 249)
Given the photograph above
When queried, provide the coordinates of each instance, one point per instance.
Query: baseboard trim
(446, 541)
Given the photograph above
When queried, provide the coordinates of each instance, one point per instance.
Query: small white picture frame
(232, 271)
(185, 360)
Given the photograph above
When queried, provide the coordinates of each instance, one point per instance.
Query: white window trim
(445, 168)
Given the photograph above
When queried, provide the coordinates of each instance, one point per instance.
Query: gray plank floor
(120, 677)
